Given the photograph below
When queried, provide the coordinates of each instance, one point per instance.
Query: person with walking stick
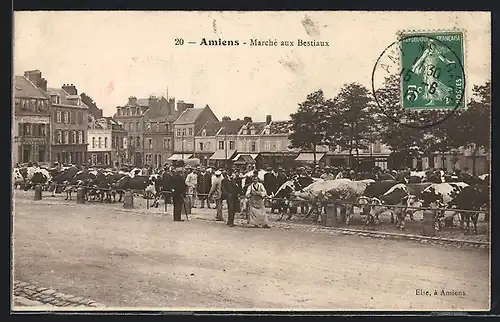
(178, 193)
(231, 192)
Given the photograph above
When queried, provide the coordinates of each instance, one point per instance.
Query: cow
(132, 183)
(154, 189)
(471, 198)
(336, 191)
(282, 199)
(394, 196)
(439, 195)
(17, 177)
(62, 179)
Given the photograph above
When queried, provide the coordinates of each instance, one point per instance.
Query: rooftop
(189, 116)
(25, 88)
(210, 128)
(280, 127)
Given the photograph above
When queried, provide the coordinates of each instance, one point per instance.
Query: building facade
(186, 126)
(159, 137)
(106, 139)
(69, 125)
(31, 119)
(134, 116)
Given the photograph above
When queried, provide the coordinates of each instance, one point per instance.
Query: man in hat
(231, 192)
(203, 185)
(270, 179)
(216, 194)
(178, 188)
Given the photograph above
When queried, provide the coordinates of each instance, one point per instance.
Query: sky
(113, 55)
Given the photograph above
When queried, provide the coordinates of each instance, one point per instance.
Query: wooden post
(38, 192)
(80, 195)
(331, 216)
(128, 200)
(428, 228)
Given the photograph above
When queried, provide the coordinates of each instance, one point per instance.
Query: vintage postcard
(251, 161)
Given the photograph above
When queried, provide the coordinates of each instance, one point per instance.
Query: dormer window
(138, 111)
(128, 111)
(204, 132)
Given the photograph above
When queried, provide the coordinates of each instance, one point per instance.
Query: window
(106, 143)
(150, 143)
(73, 137)
(138, 141)
(231, 145)
(167, 127)
(221, 145)
(118, 112)
(169, 143)
(201, 146)
(66, 117)
(178, 132)
(72, 117)
(128, 111)
(131, 141)
(93, 142)
(204, 132)
(130, 126)
(190, 133)
(106, 159)
(137, 127)
(114, 142)
(81, 139)
(58, 137)
(157, 127)
(27, 129)
(58, 116)
(267, 146)
(99, 142)
(148, 126)
(77, 141)
(80, 118)
(42, 130)
(66, 137)
(253, 149)
(164, 144)
(377, 147)
(278, 145)
(138, 111)
(123, 143)
(183, 132)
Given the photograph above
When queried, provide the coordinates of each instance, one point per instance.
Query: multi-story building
(159, 137)
(205, 143)
(69, 125)
(225, 142)
(31, 119)
(106, 138)
(134, 115)
(186, 126)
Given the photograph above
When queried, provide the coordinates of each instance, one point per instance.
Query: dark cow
(394, 196)
(60, 180)
(129, 183)
(473, 198)
(282, 198)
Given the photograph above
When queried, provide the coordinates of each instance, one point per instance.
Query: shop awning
(309, 157)
(177, 157)
(221, 155)
(243, 159)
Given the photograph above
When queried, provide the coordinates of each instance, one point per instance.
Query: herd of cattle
(421, 189)
(426, 189)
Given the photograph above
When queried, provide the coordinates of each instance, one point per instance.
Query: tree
(353, 107)
(473, 126)
(309, 123)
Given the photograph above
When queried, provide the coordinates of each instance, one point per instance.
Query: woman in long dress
(256, 194)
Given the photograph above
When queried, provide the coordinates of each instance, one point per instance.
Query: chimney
(35, 76)
(132, 100)
(153, 103)
(268, 119)
(181, 107)
(189, 105)
(70, 88)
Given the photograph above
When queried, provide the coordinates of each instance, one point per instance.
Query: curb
(345, 231)
(29, 294)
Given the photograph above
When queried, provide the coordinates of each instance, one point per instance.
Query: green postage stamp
(433, 76)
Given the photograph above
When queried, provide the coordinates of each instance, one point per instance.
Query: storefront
(204, 157)
(276, 159)
(245, 162)
(307, 158)
(222, 158)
